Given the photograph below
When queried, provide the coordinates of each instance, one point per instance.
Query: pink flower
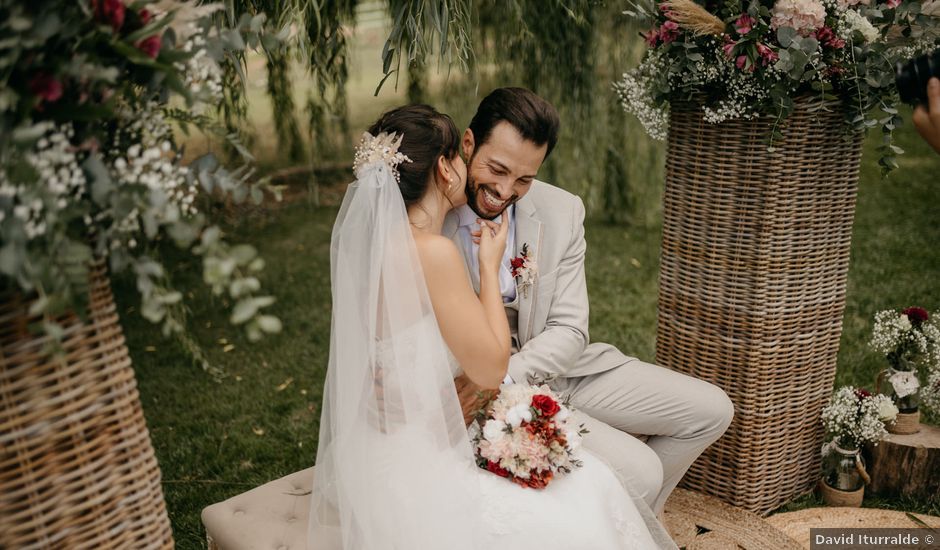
(728, 47)
(150, 46)
(651, 36)
(744, 24)
(893, 3)
(803, 15)
(741, 63)
(767, 55)
(669, 31)
(46, 87)
(110, 12)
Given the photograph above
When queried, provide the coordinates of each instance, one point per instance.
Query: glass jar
(902, 386)
(844, 469)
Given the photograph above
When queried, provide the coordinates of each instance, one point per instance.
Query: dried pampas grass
(694, 18)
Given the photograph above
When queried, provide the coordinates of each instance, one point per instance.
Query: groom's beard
(474, 198)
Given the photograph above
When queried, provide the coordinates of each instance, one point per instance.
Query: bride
(395, 467)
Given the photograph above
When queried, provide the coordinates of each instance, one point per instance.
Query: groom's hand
(472, 397)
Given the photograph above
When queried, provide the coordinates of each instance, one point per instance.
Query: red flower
(496, 469)
(827, 37)
(545, 405)
(862, 393)
(110, 12)
(150, 46)
(537, 480)
(917, 315)
(46, 86)
(144, 16)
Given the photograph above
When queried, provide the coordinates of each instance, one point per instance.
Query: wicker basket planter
(755, 253)
(77, 469)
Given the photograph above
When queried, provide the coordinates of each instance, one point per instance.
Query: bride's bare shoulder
(437, 252)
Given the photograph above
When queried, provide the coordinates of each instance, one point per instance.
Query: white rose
(855, 21)
(887, 411)
(525, 412)
(562, 414)
(494, 430)
(513, 418)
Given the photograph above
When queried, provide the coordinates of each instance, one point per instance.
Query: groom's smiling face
(500, 170)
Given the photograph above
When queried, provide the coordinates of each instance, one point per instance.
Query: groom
(511, 135)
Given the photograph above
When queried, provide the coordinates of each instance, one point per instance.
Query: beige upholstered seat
(270, 517)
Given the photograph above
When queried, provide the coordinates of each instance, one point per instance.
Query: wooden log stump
(906, 464)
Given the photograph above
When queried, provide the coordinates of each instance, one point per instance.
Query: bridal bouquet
(524, 435)
(854, 417)
(749, 58)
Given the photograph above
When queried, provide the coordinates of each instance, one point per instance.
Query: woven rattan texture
(77, 469)
(752, 288)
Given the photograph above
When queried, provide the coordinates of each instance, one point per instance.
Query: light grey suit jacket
(553, 313)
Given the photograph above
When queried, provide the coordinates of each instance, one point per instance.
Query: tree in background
(562, 49)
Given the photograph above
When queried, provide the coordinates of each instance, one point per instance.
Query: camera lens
(911, 77)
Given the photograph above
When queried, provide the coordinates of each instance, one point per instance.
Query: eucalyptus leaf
(786, 35)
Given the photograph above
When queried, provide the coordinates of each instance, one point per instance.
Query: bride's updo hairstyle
(428, 134)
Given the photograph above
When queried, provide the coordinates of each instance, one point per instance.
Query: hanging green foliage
(419, 25)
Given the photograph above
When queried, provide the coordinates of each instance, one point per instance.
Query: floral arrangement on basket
(524, 435)
(90, 96)
(751, 58)
(910, 341)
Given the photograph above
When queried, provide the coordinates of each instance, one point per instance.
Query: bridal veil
(394, 463)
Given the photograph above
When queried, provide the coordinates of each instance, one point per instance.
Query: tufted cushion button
(239, 512)
(282, 547)
(291, 519)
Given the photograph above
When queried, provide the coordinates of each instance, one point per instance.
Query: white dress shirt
(468, 222)
(507, 283)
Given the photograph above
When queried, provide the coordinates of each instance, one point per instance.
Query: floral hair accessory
(382, 148)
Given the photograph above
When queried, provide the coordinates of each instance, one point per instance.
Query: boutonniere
(524, 270)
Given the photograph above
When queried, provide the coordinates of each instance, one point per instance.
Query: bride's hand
(472, 397)
(492, 245)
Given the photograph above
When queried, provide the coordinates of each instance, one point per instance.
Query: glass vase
(845, 469)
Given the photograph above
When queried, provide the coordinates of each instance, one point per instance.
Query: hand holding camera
(918, 85)
(927, 118)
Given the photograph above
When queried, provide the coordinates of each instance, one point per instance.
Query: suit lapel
(528, 232)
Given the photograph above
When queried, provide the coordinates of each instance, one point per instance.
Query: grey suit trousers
(681, 414)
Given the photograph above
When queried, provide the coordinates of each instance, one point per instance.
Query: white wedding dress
(395, 467)
(587, 508)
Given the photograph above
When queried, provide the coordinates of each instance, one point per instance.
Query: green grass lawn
(217, 439)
